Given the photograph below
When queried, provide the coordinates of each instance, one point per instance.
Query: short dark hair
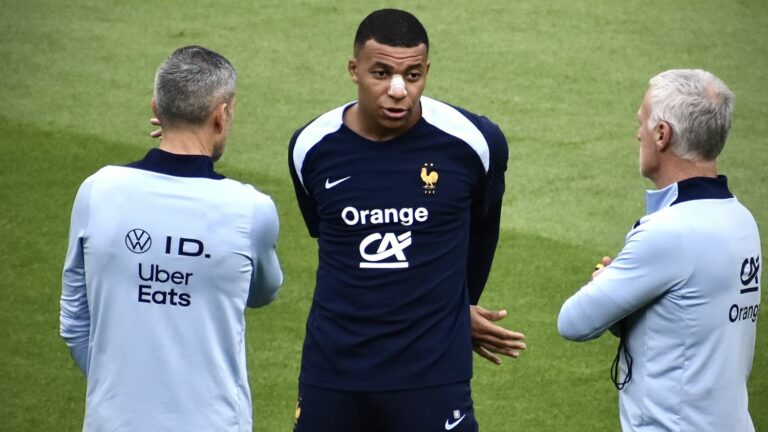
(190, 83)
(391, 27)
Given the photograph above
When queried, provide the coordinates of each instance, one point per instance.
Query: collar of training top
(694, 188)
(178, 165)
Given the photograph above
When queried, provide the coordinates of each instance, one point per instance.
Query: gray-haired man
(164, 255)
(684, 292)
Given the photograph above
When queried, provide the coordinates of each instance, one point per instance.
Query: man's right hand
(600, 267)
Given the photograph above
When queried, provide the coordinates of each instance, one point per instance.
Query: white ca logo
(390, 245)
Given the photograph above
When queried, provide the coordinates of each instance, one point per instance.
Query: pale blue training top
(164, 255)
(687, 284)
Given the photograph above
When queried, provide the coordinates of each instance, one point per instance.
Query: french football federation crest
(429, 178)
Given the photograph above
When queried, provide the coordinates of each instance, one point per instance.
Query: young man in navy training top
(684, 292)
(164, 256)
(404, 195)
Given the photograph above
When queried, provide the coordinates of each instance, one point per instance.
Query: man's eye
(414, 76)
(379, 73)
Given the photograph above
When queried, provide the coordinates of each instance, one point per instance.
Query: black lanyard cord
(616, 369)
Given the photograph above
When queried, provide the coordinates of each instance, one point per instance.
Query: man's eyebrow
(416, 64)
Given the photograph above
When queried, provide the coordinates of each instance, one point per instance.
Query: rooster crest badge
(429, 178)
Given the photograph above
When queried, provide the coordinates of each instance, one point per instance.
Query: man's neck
(681, 169)
(186, 141)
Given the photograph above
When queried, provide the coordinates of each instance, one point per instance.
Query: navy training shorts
(440, 408)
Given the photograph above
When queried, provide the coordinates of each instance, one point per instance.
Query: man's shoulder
(117, 176)
(320, 126)
(480, 133)
(259, 198)
(444, 113)
(663, 233)
(106, 174)
(476, 130)
(320, 129)
(245, 194)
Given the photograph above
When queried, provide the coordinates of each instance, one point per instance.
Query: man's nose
(397, 87)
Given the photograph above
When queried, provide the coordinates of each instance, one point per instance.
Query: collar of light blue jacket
(690, 189)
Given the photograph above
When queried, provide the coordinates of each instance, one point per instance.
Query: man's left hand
(489, 339)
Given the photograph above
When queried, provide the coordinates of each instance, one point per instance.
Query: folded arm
(267, 275)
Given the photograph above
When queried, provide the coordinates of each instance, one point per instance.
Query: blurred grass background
(563, 79)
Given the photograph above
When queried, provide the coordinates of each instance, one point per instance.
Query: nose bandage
(397, 86)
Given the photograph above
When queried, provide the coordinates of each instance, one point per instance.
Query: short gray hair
(698, 107)
(190, 83)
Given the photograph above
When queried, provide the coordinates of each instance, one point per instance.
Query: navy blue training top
(406, 232)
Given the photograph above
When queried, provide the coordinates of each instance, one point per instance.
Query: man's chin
(395, 123)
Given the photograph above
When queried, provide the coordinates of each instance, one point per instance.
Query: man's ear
(352, 69)
(153, 105)
(663, 136)
(220, 117)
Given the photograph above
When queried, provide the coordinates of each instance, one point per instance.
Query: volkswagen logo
(138, 241)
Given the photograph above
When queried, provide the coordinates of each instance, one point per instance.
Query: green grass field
(562, 78)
